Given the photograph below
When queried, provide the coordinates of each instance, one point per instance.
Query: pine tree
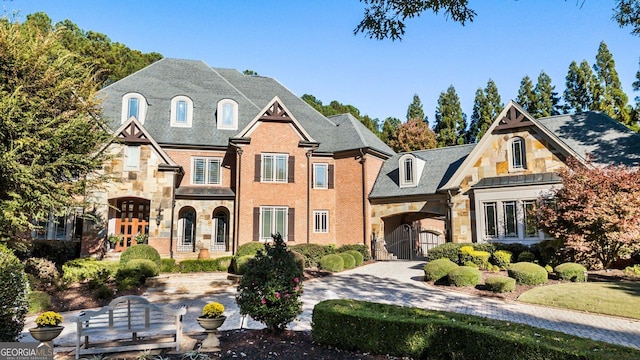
(415, 110)
(389, 129)
(547, 100)
(451, 122)
(612, 100)
(580, 83)
(487, 105)
(526, 95)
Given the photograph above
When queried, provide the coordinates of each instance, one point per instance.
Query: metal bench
(129, 323)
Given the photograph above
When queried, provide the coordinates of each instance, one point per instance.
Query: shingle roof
(440, 165)
(206, 86)
(518, 180)
(594, 133)
(350, 129)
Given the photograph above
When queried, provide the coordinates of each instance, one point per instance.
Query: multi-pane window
(274, 168)
(133, 108)
(490, 220)
(65, 226)
(181, 112)
(510, 219)
(321, 221)
(530, 223)
(517, 154)
(132, 157)
(273, 220)
(206, 171)
(408, 171)
(320, 176)
(186, 229)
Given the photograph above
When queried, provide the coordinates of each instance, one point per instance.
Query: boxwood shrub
(357, 256)
(240, 263)
(204, 265)
(571, 271)
(168, 265)
(332, 262)
(426, 334)
(140, 251)
(437, 270)
(526, 256)
(500, 284)
(362, 249)
(312, 253)
(349, 260)
(87, 268)
(527, 273)
(249, 248)
(450, 251)
(502, 258)
(299, 258)
(465, 276)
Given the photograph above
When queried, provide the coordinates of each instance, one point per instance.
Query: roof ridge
(440, 148)
(286, 88)
(352, 119)
(230, 84)
(139, 70)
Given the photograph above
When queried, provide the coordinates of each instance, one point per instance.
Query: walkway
(396, 282)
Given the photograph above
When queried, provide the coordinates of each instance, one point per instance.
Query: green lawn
(619, 299)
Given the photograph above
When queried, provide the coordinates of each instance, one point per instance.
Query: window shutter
(256, 224)
(330, 176)
(258, 169)
(292, 168)
(291, 224)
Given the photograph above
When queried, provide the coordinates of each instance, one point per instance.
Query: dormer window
(227, 115)
(408, 170)
(181, 111)
(133, 105)
(517, 154)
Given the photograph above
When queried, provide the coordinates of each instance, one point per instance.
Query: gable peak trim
(513, 118)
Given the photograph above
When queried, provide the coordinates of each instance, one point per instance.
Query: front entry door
(132, 220)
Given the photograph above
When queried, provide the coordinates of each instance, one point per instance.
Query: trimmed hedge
(479, 258)
(437, 270)
(299, 258)
(168, 265)
(140, 251)
(571, 271)
(362, 249)
(526, 256)
(528, 273)
(134, 273)
(349, 261)
(464, 276)
(500, 284)
(87, 268)
(450, 251)
(312, 253)
(357, 256)
(424, 334)
(332, 262)
(240, 263)
(502, 258)
(249, 248)
(204, 265)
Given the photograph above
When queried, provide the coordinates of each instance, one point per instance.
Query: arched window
(186, 229)
(133, 105)
(227, 115)
(518, 160)
(407, 170)
(220, 236)
(181, 111)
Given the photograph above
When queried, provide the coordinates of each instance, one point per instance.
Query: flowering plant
(213, 310)
(49, 318)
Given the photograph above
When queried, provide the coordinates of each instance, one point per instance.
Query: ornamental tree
(270, 289)
(596, 212)
(413, 135)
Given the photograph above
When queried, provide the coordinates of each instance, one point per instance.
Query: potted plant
(113, 240)
(48, 326)
(211, 319)
(141, 238)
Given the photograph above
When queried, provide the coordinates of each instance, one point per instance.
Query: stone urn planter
(211, 325)
(45, 333)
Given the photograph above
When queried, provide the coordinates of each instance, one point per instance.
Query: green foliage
(168, 265)
(548, 268)
(356, 255)
(103, 291)
(451, 122)
(141, 251)
(251, 248)
(134, 272)
(270, 289)
(547, 99)
(500, 284)
(502, 258)
(39, 301)
(337, 108)
(527, 273)
(526, 256)
(415, 110)
(551, 251)
(206, 265)
(332, 263)
(86, 268)
(311, 252)
(464, 276)
(450, 251)
(13, 302)
(580, 87)
(362, 249)
(479, 258)
(611, 100)
(571, 271)
(147, 267)
(348, 260)
(300, 260)
(55, 251)
(241, 263)
(44, 272)
(487, 105)
(526, 95)
(437, 270)
(632, 271)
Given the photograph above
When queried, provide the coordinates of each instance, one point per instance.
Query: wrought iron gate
(401, 244)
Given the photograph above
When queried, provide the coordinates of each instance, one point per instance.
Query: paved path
(396, 282)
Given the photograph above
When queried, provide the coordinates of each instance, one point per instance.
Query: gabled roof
(133, 132)
(206, 86)
(440, 165)
(350, 130)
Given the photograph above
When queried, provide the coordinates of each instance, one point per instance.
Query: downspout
(173, 206)
(236, 230)
(308, 194)
(450, 217)
(364, 198)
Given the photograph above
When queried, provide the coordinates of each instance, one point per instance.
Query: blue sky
(309, 46)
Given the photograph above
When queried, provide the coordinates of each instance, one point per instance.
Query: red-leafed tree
(596, 212)
(413, 135)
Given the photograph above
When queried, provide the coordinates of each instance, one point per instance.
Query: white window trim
(403, 175)
(274, 169)
(325, 169)
(234, 105)
(131, 158)
(207, 160)
(512, 167)
(484, 218)
(267, 237)
(174, 113)
(142, 107)
(317, 228)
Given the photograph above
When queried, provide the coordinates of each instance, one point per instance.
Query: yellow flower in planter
(212, 310)
(49, 318)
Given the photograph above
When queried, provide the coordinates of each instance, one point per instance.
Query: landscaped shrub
(99, 279)
(500, 284)
(167, 265)
(552, 251)
(527, 273)
(141, 251)
(332, 262)
(526, 256)
(13, 299)
(465, 276)
(44, 272)
(548, 268)
(349, 261)
(86, 268)
(465, 253)
(514, 248)
(437, 270)
(357, 255)
(271, 287)
(204, 265)
(300, 260)
(571, 271)
(447, 250)
(103, 292)
(312, 253)
(134, 273)
(251, 248)
(470, 255)
(58, 252)
(39, 301)
(487, 247)
(502, 258)
(240, 263)
(632, 271)
(362, 249)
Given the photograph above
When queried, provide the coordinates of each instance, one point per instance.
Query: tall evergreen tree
(389, 129)
(415, 110)
(527, 96)
(612, 100)
(451, 122)
(547, 100)
(580, 87)
(487, 104)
